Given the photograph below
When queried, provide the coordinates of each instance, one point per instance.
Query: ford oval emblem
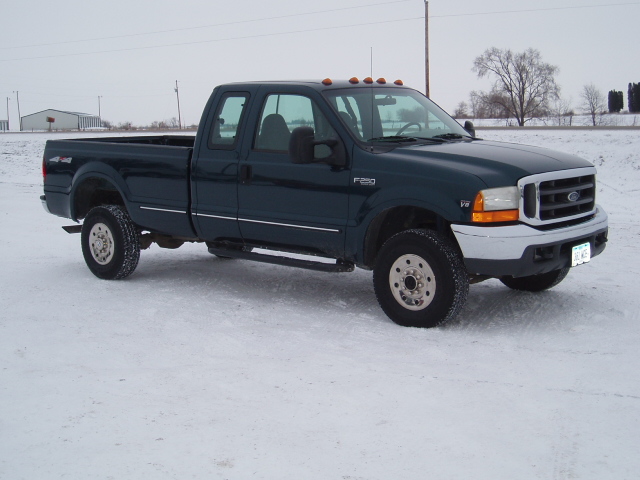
(573, 196)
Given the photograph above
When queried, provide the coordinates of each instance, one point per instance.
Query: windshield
(376, 115)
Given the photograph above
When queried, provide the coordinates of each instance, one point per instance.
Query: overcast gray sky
(66, 54)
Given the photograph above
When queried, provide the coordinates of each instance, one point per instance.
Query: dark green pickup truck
(366, 173)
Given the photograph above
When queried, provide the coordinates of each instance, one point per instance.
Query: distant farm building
(4, 125)
(59, 120)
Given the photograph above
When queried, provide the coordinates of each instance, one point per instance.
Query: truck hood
(496, 163)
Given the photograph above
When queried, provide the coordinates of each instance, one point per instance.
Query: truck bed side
(149, 175)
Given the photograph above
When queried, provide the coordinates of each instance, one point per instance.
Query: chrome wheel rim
(412, 282)
(101, 243)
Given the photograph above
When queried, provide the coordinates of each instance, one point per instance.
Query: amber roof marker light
(368, 80)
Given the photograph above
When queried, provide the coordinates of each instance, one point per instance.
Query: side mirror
(302, 148)
(468, 126)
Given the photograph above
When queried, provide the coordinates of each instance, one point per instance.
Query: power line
(207, 26)
(196, 42)
(581, 7)
(245, 37)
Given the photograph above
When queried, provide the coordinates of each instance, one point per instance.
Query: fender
(449, 201)
(101, 171)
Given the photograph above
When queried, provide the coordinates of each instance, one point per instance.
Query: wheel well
(94, 192)
(395, 220)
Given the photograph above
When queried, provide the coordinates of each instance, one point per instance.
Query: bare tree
(475, 101)
(523, 84)
(593, 102)
(461, 111)
(561, 110)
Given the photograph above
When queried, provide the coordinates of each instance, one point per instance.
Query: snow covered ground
(196, 367)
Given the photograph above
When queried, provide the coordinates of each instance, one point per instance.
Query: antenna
(371, 63)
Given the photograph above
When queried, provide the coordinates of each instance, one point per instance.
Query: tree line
(524, 87)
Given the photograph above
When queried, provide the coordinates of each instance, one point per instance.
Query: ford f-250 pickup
(366, 173)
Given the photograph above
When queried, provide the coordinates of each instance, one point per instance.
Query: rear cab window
(227, 120)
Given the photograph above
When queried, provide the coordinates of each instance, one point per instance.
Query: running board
(338, 267)
(73, 228)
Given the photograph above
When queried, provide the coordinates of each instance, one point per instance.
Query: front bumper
(521, 250)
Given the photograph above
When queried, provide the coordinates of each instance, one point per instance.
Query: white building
(59, 120)
(4, 125)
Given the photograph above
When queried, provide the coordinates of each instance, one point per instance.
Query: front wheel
(419, 279)
(110, 242)
(536, 283)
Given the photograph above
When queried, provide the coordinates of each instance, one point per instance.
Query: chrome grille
(567, 197)
(558, 196)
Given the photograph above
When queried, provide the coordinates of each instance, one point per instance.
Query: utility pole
(426, 48)
(99, 113)
(8, 123)
(19, 115)
(179, 116)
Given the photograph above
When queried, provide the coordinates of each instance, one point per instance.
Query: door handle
(245, 174)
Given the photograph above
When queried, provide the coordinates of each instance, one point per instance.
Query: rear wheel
(110, 242)
(536, 283)
(419, 279)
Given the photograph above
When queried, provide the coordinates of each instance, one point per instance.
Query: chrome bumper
(510, 242)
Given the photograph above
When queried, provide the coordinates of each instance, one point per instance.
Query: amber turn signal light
(480, 215)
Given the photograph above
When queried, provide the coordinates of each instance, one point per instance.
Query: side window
(281, 114)
(226, 120)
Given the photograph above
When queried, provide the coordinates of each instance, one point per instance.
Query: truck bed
(152, 174)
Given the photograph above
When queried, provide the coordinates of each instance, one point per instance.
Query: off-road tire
(419, 279)
(110, 242)
(536, 283)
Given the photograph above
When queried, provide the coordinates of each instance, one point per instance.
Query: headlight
(496, 205)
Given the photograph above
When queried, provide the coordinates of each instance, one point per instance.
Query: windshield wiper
(393, 138)
(451, 136)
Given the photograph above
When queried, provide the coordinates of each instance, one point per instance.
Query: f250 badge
(369, 182)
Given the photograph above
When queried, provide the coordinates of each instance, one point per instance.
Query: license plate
(580, 254)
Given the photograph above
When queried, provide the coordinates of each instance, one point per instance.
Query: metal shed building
(59, 120)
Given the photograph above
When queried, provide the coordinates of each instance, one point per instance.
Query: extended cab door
(302, 207)
(215, 171)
